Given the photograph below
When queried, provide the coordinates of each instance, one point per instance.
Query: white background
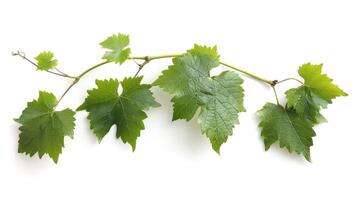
(173, 160)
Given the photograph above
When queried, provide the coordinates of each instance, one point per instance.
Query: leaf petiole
(289, 79)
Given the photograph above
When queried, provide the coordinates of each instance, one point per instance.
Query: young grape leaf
(116, 43)
(107, 108)
(45, 61)
(286, 126)
(43, 129)
(316, 93)
(306, 103)
(220, 98)
(320, 83)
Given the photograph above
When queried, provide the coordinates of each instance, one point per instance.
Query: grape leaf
(116, 43)
(306, 103)
(43, 129)
(320, 83)
(45, 61)
(220, 98)
(107, 108)
(316, 93)
(291, 130)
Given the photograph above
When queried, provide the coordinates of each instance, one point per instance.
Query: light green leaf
(43, 129)
(316, 93)
(117, 44)
(220, 98)
(107, 108)
(45, 61)
(320, 83)
(286, 127)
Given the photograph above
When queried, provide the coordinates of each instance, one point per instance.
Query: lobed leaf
(43, 129)
(117, 44)
(306, 103)
(45, 61)
(320, 83)
(107, 108)
(220, 98)
(286, 127)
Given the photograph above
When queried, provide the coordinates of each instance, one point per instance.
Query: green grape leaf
(306, 103)
(220, 98)
(45, 61)
(117, 43)
(320, 83)
(107, 108)
(316, 93)
(286, 126)
(43, 129)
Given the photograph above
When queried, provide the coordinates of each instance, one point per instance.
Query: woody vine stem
(146, 60)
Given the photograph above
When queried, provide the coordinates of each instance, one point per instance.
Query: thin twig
(66, 91)
(276, 95)
(289, 79)
(137, 72)
(59, 71)
(66, 76)
(22, 55)
(270, 82)
(141, 66)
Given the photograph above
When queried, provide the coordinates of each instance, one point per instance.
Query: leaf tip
(17, 120)
(307, 156)
(217, 148)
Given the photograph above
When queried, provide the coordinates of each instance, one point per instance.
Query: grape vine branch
(188, 80)
(146, 59)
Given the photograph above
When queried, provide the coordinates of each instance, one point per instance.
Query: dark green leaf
(107, 108)
(286, 127)
(43, 129)
(220, 98)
